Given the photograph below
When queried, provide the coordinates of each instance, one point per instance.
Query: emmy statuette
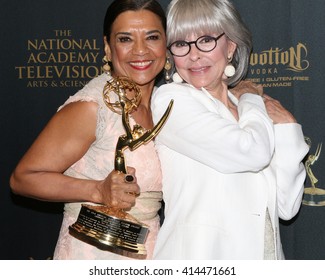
(110, 228)
(313, 196)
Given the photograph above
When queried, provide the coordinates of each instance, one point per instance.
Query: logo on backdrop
(278, 67)
(60, 61)
(313, 195)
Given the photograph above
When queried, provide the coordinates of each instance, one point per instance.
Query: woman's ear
(231, 48)
(107, 49)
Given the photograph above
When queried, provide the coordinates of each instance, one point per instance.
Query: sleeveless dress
(97, 163)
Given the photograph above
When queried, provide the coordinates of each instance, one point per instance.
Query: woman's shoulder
(92, 91)
(96, 84)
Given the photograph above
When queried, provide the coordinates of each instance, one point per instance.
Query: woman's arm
(200, 128)
(290, 150)
(64, 140)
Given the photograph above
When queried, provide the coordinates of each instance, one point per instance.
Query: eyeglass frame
(195, 43)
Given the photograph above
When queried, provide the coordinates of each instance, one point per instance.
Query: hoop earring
(230, 69)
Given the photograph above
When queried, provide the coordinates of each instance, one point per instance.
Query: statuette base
(110, 229)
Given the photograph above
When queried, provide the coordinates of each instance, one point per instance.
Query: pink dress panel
(97, 163)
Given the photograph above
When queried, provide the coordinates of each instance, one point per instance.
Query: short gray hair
(211, 16)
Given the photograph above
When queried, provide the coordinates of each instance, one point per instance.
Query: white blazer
(220, 175)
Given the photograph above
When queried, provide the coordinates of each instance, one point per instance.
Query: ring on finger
(128, 178)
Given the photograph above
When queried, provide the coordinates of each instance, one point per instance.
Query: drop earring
(106, 66)
(230, 69)
(168, 69)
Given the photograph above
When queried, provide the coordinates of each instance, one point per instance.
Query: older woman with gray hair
(231, 163)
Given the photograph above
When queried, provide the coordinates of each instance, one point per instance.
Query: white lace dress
(97, 163)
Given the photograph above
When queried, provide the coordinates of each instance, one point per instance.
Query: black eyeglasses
(204, 43)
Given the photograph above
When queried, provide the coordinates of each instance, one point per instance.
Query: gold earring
(167, 69)
(168, 65)
(106, 66)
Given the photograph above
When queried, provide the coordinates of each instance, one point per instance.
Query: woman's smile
(141, 65)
